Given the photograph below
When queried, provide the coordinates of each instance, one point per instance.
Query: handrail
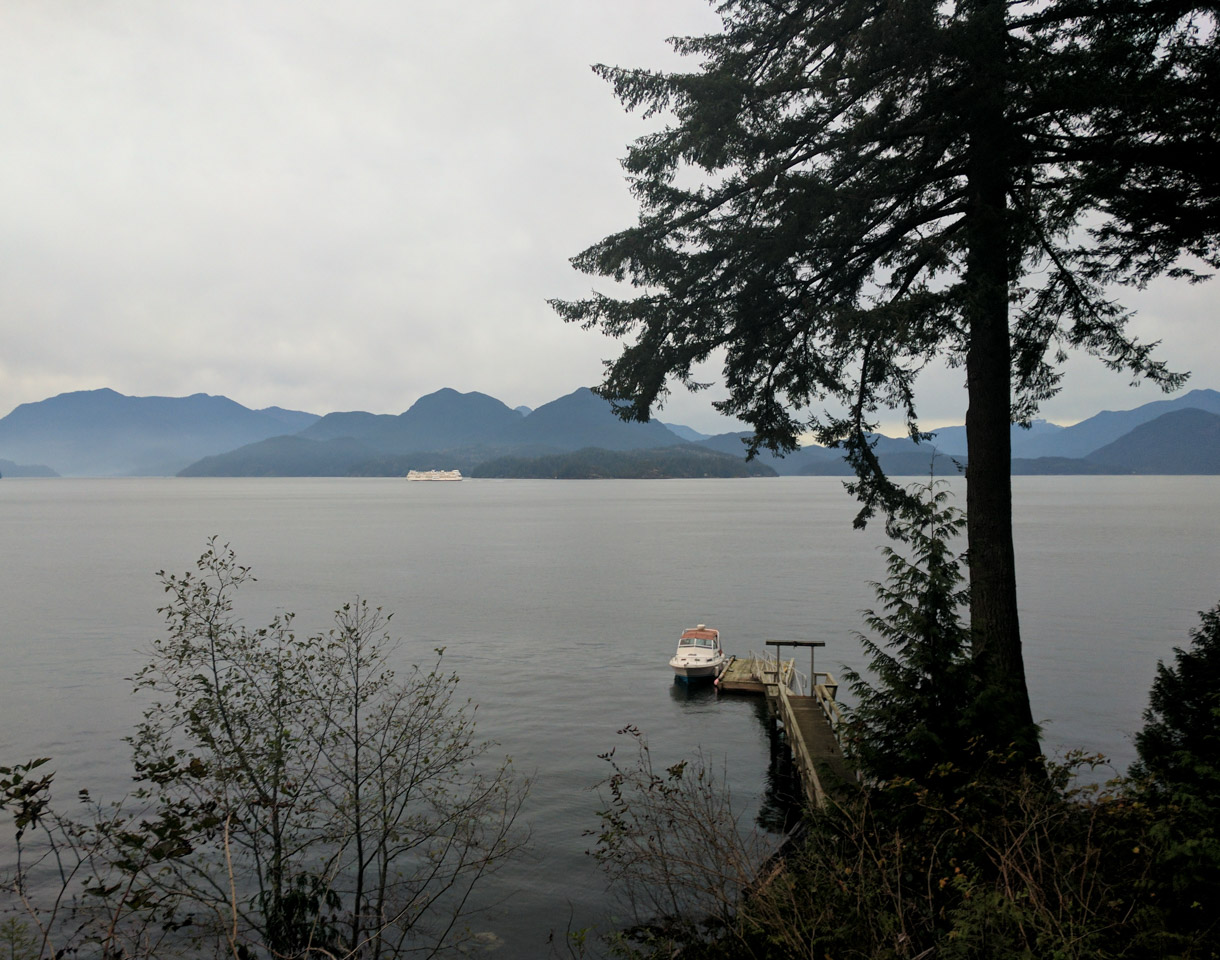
(825, 694)
(814, 792)
(785, 670)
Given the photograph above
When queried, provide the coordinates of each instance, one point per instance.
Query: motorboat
(699, 655)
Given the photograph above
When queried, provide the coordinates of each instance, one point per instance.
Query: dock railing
(824, 691)
(805, 706)
(775, 672)
(823, 694)
(815, 792)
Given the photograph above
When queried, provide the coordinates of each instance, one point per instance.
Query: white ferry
(434, 474)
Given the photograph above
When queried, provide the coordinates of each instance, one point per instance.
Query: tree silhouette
(847, 191)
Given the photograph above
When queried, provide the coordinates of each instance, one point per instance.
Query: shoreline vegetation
(945, 847)
(835, 197)
(294, 798)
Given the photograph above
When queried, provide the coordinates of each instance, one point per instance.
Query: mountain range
(1044, 439)
(104, 433)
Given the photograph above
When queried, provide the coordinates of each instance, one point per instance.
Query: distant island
(592, 463)
(10, 469)
(577, 436)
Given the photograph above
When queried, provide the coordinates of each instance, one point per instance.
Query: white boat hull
(702, 671)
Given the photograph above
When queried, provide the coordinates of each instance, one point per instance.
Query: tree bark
(1004, 715)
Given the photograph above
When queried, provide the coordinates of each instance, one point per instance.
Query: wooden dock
(809, 721)
(810, 724)
(753, 674)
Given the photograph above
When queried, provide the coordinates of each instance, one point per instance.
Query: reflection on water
(779, 809)
(692, 691)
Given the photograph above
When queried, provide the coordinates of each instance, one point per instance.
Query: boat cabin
(700, 637)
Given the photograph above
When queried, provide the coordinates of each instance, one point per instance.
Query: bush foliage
(295, 798)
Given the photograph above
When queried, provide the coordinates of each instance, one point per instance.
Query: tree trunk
(1004, 715)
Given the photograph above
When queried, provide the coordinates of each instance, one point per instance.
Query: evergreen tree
(850, 190)
(1158, 180)
(1179, 769)
(909, 719)
(1180, 741)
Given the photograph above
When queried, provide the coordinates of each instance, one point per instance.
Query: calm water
(559, 602)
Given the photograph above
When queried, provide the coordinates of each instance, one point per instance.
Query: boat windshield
(686, 642)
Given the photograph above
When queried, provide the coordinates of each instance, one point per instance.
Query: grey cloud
(336, 206)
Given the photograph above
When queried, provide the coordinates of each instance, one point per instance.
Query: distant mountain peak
(105, 433)
(101, 432)
(583, 419)
(1182, 441)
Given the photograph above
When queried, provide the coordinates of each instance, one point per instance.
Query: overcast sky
(345, 206)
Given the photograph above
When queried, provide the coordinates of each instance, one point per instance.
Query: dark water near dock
(559, 604)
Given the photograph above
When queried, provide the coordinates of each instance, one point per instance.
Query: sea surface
(559, 604)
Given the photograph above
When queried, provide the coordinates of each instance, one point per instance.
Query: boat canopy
(700, 636)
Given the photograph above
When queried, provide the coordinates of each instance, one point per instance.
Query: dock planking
(808, 721)
(752, 674)
(815, 747)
